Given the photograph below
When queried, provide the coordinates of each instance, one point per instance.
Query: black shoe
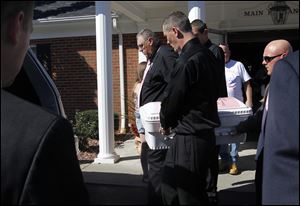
(213, 201)
(212, 198)
(145, 179)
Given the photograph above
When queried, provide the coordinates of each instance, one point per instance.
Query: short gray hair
(146, 33)
(177, 19)
(199, 25)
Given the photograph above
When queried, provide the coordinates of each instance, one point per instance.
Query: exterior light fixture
(279, 11)
(114, 17)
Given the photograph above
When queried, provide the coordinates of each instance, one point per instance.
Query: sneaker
(233, 169)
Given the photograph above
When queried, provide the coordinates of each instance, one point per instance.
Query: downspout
(121, 65)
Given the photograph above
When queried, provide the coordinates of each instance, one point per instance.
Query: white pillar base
(106, 159)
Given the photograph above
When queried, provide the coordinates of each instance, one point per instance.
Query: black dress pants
(144, 160)
(185, 169)
(156, 159)
(258, 179)
(212, 175)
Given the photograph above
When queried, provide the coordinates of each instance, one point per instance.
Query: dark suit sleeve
(219, 54)
(55, 176)
(175, 94)
(168, 60)
(222, 85)
(281, 147)
(252, 123)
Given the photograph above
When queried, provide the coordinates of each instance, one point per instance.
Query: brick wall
(73, 66)
(74, 72)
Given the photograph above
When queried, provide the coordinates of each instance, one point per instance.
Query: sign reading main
(278, 10)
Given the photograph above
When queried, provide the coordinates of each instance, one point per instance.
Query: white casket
(231, 111)
(150, 120)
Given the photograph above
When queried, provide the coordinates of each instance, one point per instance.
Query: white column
(104, 83)
(196, 10)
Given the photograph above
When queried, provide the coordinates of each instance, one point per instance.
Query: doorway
(248, 47)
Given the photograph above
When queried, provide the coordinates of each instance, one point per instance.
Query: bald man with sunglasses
(273, 52)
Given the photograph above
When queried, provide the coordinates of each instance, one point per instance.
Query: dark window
(43, 53)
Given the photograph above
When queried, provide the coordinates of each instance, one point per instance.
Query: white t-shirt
(236, 75)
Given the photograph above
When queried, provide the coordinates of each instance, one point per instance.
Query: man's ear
(15, 27)
(205, 32)
(174, 29)
(284, 54)
(178, 33)
(150, 39)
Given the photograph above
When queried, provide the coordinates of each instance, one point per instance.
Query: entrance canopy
(77, 18)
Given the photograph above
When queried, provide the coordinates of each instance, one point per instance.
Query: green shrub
(86, 124)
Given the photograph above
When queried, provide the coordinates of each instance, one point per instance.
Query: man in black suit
(200, 30)
(280, 135)
(38, 158)
(189, 109)
(160, 61)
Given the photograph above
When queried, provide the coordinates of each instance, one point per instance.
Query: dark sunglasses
(268, 58)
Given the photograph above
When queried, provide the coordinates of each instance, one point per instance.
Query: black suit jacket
(280, 132)
(158, 76)
(38, 158)
(219, 54)
(252, 124)
(190, 103)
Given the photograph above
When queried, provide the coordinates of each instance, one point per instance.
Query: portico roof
(51, 16)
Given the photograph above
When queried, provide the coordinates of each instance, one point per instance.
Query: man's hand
(167, 133)
(164, 131)
(233, 131)
(249, 104)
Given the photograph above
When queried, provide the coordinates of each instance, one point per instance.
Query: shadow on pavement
(129, 158)
(243, 195)
(115, 188)
(248, 145)
(247, 163)
(128, 189)
(85, 161)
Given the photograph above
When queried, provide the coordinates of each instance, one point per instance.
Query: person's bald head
(274, 51)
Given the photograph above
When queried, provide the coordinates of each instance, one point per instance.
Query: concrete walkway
(121, 183)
